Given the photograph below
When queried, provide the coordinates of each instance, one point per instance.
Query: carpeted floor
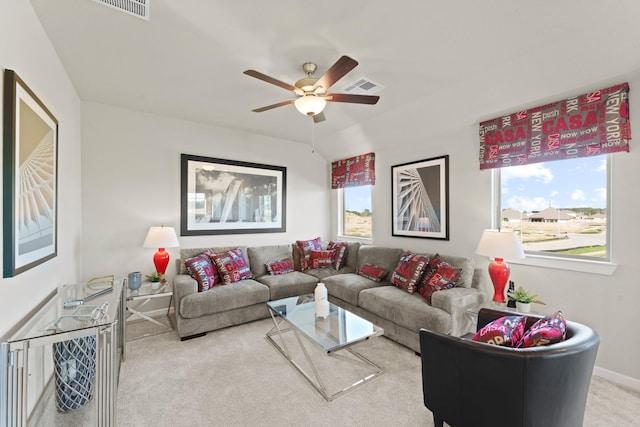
(235, 377)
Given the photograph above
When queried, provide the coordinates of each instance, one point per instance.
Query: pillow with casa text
(548, 330)
(202, 269)
(232, 266)
(321, 259)
(340, 255)
(372, 272)
(505, 331)
(282, 266)
(306, 246)
(409, 271)
(440, 275)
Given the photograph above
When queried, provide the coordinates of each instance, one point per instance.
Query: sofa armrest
(456, 302)
(183, 285)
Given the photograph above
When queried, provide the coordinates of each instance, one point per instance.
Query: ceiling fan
(311, 94)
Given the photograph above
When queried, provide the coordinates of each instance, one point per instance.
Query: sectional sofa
(401, 314)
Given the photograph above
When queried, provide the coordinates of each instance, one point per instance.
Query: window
(558, 208)
(357, 212)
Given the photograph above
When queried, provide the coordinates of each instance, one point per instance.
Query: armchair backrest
(468, 383)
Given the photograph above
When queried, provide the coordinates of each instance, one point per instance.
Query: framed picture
(221, 196)
(30, 178)
(420, 199)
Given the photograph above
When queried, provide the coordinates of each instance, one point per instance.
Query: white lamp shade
(310, 105)
(161, 237)
(500, 244)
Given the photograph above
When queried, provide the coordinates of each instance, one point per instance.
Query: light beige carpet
(235, 377)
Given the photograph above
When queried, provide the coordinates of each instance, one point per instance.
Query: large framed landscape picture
(220, 196)
(420, 198)
(30, 178)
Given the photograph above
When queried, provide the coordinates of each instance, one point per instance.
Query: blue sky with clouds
(561, 184)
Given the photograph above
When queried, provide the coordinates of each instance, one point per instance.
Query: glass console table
(62, 366)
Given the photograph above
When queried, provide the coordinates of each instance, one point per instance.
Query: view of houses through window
(357, 212)
(557, 207)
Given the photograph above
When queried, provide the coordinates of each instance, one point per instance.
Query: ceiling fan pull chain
(313, 137)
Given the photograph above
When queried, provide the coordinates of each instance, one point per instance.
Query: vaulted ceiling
(444, 64)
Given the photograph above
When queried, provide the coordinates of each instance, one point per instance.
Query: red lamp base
(499, 273)
(161, 260)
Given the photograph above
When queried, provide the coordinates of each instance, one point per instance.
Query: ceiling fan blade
(269, 107)
(354, 99)
(258, 75)
(319, 117)
(336, 72)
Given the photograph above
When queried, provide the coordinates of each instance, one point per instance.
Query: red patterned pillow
(232, 266)
(372, 272)
(205, 273)
(282, 266)
(505, 331)
(306, 246)
(322, 259)
(409, 271)
(548, 330)
(340, 256)
(440, 275)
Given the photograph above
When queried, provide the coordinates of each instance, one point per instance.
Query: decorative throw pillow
(232, 266)
(282, 266)
(340, 256)
(440, 275)
(306, 246)
(205, 273)
(372, 272)
(409, 271)
(322, 259)
(504, 331)
(548, 330)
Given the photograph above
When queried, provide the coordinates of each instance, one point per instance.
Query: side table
(142, 297)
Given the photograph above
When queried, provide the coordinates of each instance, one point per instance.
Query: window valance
(354, 171)
(587, 125)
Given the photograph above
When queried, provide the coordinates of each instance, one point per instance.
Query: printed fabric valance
(586, 125)
(354, 171)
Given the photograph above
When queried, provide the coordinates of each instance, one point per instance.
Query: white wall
(131, 181)
(606, 303)
(25, 48)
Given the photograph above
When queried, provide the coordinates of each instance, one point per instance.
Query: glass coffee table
(333, 334)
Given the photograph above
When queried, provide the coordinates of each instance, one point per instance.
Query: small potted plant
(156, 280)
(523, 299)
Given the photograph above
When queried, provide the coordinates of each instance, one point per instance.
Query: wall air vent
(139, 8)
(363, 86)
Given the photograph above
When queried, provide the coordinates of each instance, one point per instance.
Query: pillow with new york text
(321, 259)
(232, 266)
(340, 256)
(306, 246)
(548, 330)
(505, 331)
(282, 266)
(202, 269)
(372, 272)
(409, 271)
(439, 276)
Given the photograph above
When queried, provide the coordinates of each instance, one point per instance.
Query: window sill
(363, 240)
(584, 266)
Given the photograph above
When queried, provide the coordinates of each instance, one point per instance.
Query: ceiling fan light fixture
(310, 105)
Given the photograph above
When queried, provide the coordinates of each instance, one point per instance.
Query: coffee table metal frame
(284, 324)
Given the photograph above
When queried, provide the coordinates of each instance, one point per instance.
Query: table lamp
(499, 245)
(161, 237)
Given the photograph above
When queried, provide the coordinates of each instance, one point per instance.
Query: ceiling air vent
(139, 8)
(364, 86)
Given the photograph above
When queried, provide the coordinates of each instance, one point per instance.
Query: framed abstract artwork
(220, 196)
(30, 178)
(420, 198)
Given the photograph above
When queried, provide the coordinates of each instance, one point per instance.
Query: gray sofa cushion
(384, 257)
(323, 273)
(402, 308)
(288, 285)
(260, 255)
(347, 287)
(223, 298)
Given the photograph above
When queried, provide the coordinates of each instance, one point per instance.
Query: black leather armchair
(467, 383)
